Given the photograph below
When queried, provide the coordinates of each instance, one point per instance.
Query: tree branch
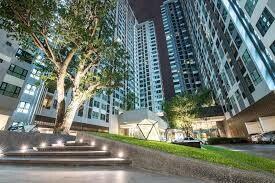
(67, 60)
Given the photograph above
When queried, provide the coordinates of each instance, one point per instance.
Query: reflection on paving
(27, 174)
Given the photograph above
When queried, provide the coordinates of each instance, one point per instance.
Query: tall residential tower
(233, 41)
(183, 61)
(147, 58)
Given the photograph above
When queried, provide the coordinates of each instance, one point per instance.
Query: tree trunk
(60, 105)
(69, 115)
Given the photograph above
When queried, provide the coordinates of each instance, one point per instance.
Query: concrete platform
(68, 148)
(65, 161)
(79, 154)
(37, 174)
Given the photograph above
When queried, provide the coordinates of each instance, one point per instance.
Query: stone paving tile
(37, 174)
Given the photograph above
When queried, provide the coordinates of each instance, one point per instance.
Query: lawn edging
(165, 163)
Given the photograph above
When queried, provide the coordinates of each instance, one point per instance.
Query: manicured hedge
(225, 140)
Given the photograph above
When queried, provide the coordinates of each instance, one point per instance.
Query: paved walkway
(264, 150)
(27, 174)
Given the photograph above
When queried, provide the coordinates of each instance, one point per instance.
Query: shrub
(225, 140)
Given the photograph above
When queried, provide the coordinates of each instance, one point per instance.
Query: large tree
(183, 109)
(76, 39)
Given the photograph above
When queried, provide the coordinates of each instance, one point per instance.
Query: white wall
(268, 123)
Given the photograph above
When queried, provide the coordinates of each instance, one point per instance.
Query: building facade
(233, 43)
(15, 68)
(147, 59)
(181, 53)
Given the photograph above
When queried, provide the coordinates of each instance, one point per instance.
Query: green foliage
(83, 28)
(183, 109)
(207, 153)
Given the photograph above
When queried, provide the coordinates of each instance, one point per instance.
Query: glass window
(249, 84)
(90, 113)
(96, 104)
(95, 115)
(30, 89)
(9, 90)
(35, 74)
(256, 78)
(250, 6)
(24, 56)
(265, 21)
(102, 117)
(17, 71)
(272, 47)
(23, 107)
(246, 58)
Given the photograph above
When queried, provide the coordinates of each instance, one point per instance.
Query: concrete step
(76, 144)
(58, 154)
(67, 148)
(66, 161)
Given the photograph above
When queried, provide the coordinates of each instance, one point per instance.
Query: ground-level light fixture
(43, 144)
(59, 143)
(93, 143)
(24, 147)
(104, 148)
(120, 154)
(81, 140)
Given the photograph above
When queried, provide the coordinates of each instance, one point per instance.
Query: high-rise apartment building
(234, 43)
(15, 68)
(147, 59)
(181, 54)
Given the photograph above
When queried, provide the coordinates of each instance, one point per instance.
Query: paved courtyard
(264, 150)
(27, 174)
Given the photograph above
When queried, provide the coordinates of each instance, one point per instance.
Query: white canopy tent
(142, 124)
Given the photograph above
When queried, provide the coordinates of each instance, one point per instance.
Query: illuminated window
(265, 21)
(35, 74)
(23, 107)
(30, 89)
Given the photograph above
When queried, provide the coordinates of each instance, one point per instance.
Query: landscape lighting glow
(43, 144)
(60, 143)
(81, 140)
(120, 154)
(24, 147)
(93, 143)
(104, 148)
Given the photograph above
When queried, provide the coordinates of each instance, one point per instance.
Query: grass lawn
(207, 153)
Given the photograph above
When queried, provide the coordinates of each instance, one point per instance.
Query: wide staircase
(69, 153)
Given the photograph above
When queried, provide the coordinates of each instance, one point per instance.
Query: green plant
(183, 109)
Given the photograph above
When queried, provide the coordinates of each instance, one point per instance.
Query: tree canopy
(77, 41)
(183, 109)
